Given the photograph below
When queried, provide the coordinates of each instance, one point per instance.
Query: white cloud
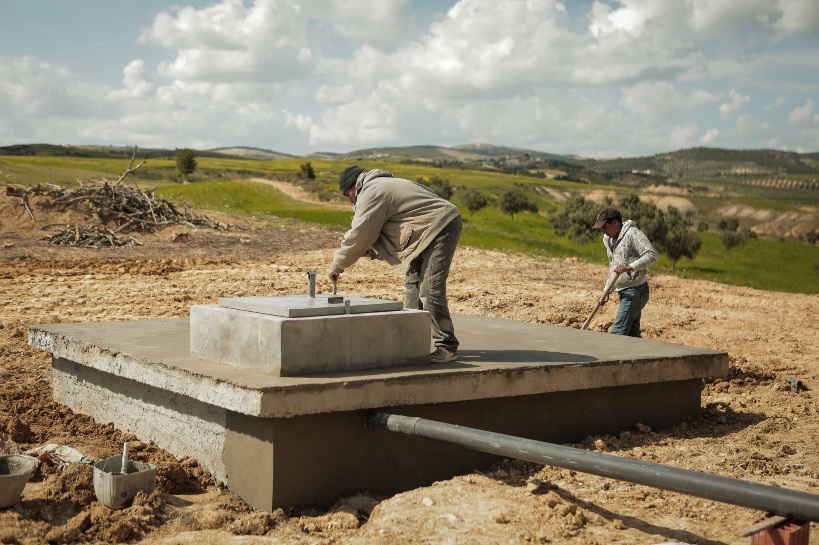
(356, 123)
(797, 17)
(34, 89)
(683, 136)
(701, 97)
(775, 104)
(137, 82)
(802, 116)
(654, 100)
(710, 135)
(716, 16)
(737, 101)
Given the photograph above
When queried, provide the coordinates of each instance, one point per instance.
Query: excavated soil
(760, 423)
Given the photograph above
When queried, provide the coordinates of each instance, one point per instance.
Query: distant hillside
(50, 150)
(488, 150)
(466, 153)
(707, 162)
(98, 152)
(252, 153)
(416, 153)
(322, 155)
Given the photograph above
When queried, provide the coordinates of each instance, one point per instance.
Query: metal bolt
(311, 283)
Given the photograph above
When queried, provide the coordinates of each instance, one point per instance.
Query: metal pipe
(770, 499)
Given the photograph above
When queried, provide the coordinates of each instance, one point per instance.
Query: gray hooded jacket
(397, 218)
(632, 248)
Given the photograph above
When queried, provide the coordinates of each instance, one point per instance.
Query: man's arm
(643, 248)
(370, 216)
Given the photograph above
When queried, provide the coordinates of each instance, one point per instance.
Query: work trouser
(425, 283)
(632, 302)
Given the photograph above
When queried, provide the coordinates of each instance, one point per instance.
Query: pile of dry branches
(128, 209)
(88, 236)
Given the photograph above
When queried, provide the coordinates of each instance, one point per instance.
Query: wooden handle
(608, 289)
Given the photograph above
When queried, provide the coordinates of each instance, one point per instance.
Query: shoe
(443, 355)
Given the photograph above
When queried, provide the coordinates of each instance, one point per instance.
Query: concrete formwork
(282, 441)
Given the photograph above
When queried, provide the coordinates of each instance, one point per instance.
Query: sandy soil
(754, 423)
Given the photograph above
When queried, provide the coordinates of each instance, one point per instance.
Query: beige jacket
(396, 217)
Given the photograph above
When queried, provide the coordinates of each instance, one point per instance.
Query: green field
(224, 184)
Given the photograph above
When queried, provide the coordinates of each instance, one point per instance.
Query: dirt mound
(663, 202)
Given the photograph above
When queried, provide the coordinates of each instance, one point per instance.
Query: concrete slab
(530, 380)
(311, 344)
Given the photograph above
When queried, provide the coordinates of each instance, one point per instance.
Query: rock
(534, 485)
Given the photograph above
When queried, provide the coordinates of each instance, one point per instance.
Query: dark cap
(607, 214)
(348, 177)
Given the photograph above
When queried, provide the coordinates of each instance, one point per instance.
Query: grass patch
(253, 199)
(57, 170)
(762, 264)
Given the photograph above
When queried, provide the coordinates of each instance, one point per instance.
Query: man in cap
(412, 229)
(630, 253)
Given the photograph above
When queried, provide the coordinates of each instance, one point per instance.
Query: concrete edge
(330, 394)
(213, 391)
(485, 384)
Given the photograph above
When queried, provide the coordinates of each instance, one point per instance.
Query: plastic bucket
(117, 490)
(15, 471)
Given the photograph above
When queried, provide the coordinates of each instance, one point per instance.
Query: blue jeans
(425, 284)
(632, 301)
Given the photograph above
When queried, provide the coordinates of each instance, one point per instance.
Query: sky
(596, 78)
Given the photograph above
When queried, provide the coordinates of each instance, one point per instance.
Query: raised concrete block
(299, 306)
(289, 347)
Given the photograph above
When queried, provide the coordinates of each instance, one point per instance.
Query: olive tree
(185, 162)
(680, 240)
(474, 200)
(515, 201)
(575, 219)
(731, 234)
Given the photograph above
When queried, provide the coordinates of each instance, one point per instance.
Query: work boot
(443, 355)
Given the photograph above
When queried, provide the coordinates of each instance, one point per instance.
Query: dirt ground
(757, 424)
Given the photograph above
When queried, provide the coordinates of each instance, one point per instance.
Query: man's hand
(620, 269)
(603, 299)
(332, 275)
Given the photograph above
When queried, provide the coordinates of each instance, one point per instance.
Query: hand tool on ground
(607, 291)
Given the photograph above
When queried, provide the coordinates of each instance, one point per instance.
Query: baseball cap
(608, 213)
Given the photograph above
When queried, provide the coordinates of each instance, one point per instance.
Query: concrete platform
(284, 441)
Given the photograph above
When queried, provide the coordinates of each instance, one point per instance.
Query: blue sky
(593, 78)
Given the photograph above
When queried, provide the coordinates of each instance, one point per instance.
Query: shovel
(607, 291)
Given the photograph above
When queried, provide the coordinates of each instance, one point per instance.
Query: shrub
(474, 200)
(439, 186)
